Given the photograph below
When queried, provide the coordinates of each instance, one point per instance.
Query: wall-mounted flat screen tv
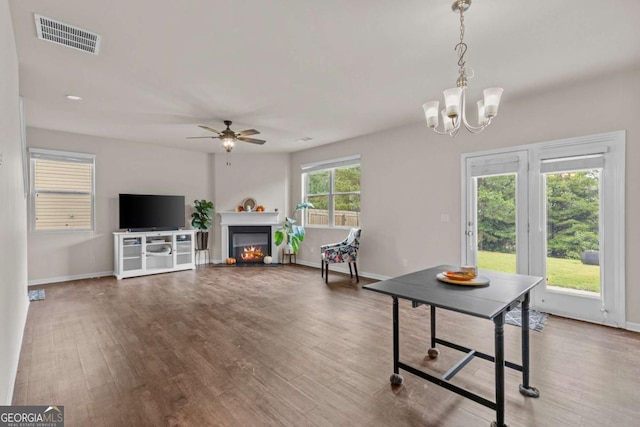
(145, 212)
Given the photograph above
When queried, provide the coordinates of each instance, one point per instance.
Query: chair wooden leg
(355, 266)
(321, 268)
(326, 274)
(350, 270)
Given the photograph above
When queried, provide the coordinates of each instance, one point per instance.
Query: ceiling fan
(229, 137)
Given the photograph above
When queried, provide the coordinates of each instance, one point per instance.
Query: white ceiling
(329, 70)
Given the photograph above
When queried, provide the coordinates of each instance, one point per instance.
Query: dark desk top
(481, 301)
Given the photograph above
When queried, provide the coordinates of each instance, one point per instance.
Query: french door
(554, 210)
(496, 236)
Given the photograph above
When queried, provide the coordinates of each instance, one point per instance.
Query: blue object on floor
(536, 319)
(36, 295)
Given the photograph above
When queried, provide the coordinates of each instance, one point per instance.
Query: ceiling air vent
(67, 35)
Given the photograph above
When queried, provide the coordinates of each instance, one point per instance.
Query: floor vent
(67, 35)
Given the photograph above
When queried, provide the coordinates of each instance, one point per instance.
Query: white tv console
(152, 252)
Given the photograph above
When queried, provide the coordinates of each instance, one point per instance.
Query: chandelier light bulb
(448, 122)
(431, 113)
(482, 119)
(452, 101)
(491, 101)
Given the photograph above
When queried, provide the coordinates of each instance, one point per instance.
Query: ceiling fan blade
(208, 128)
(247, 132)
(197, 137)
(252, 140)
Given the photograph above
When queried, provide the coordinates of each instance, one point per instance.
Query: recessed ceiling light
(305, 139)
(74, 97)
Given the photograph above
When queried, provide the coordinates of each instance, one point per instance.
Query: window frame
(331, 166)
(60, 156)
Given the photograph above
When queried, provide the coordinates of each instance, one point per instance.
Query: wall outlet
(405, 262)
(444, 217)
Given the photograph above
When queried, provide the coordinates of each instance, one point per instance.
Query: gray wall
(13, 225)
(131, 167)
(121, 167)
(265, 177)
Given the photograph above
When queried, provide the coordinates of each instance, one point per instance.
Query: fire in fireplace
(252, 253)
(249, 244)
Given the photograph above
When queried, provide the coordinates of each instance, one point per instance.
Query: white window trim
(328, 165)
(42, 153)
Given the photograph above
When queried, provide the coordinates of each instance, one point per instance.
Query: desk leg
(499, 361)
(433, 352)
(396, 379)
(525, 388)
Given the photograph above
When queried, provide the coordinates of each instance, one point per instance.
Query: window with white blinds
(62, 190)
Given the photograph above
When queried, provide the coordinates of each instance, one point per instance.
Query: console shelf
(152, 252)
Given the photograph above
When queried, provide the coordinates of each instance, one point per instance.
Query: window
(333, 187)
(62, 190)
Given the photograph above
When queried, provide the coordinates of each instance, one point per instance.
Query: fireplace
(229, 220)
(249, 244)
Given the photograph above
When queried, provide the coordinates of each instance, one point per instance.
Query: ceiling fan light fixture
(228, 144)
(229, 138)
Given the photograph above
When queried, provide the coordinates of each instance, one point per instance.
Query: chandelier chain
(462, 46)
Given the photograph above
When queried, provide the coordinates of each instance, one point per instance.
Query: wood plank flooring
(275, 346)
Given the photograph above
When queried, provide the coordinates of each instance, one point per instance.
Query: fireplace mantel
(248, 218)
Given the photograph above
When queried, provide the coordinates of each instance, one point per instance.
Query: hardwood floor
(276, 346)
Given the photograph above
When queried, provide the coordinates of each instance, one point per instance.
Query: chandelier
(454, 114)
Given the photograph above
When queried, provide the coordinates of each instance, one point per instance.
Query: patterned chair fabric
(344, 251)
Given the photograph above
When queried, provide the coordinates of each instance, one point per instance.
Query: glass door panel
(573, 231)
(496, 216)
(496, 211)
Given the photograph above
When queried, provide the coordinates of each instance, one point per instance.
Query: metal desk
(490, 302)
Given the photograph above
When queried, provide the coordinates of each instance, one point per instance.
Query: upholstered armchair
(344, 251)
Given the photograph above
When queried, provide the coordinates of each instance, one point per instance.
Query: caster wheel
(433, 353)
(396, 379)
(529, 392)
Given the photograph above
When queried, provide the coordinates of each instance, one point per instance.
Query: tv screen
(151, 212)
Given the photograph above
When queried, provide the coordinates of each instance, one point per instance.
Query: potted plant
(290, 233)
(201, 221)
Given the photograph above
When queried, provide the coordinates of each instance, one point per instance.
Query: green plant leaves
(202, 215)
(303, 205)
(290, 233)
(278, 237)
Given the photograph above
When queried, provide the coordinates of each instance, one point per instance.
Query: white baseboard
(69, 278)
(635, 327)
(343, 268)
(14, 371)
